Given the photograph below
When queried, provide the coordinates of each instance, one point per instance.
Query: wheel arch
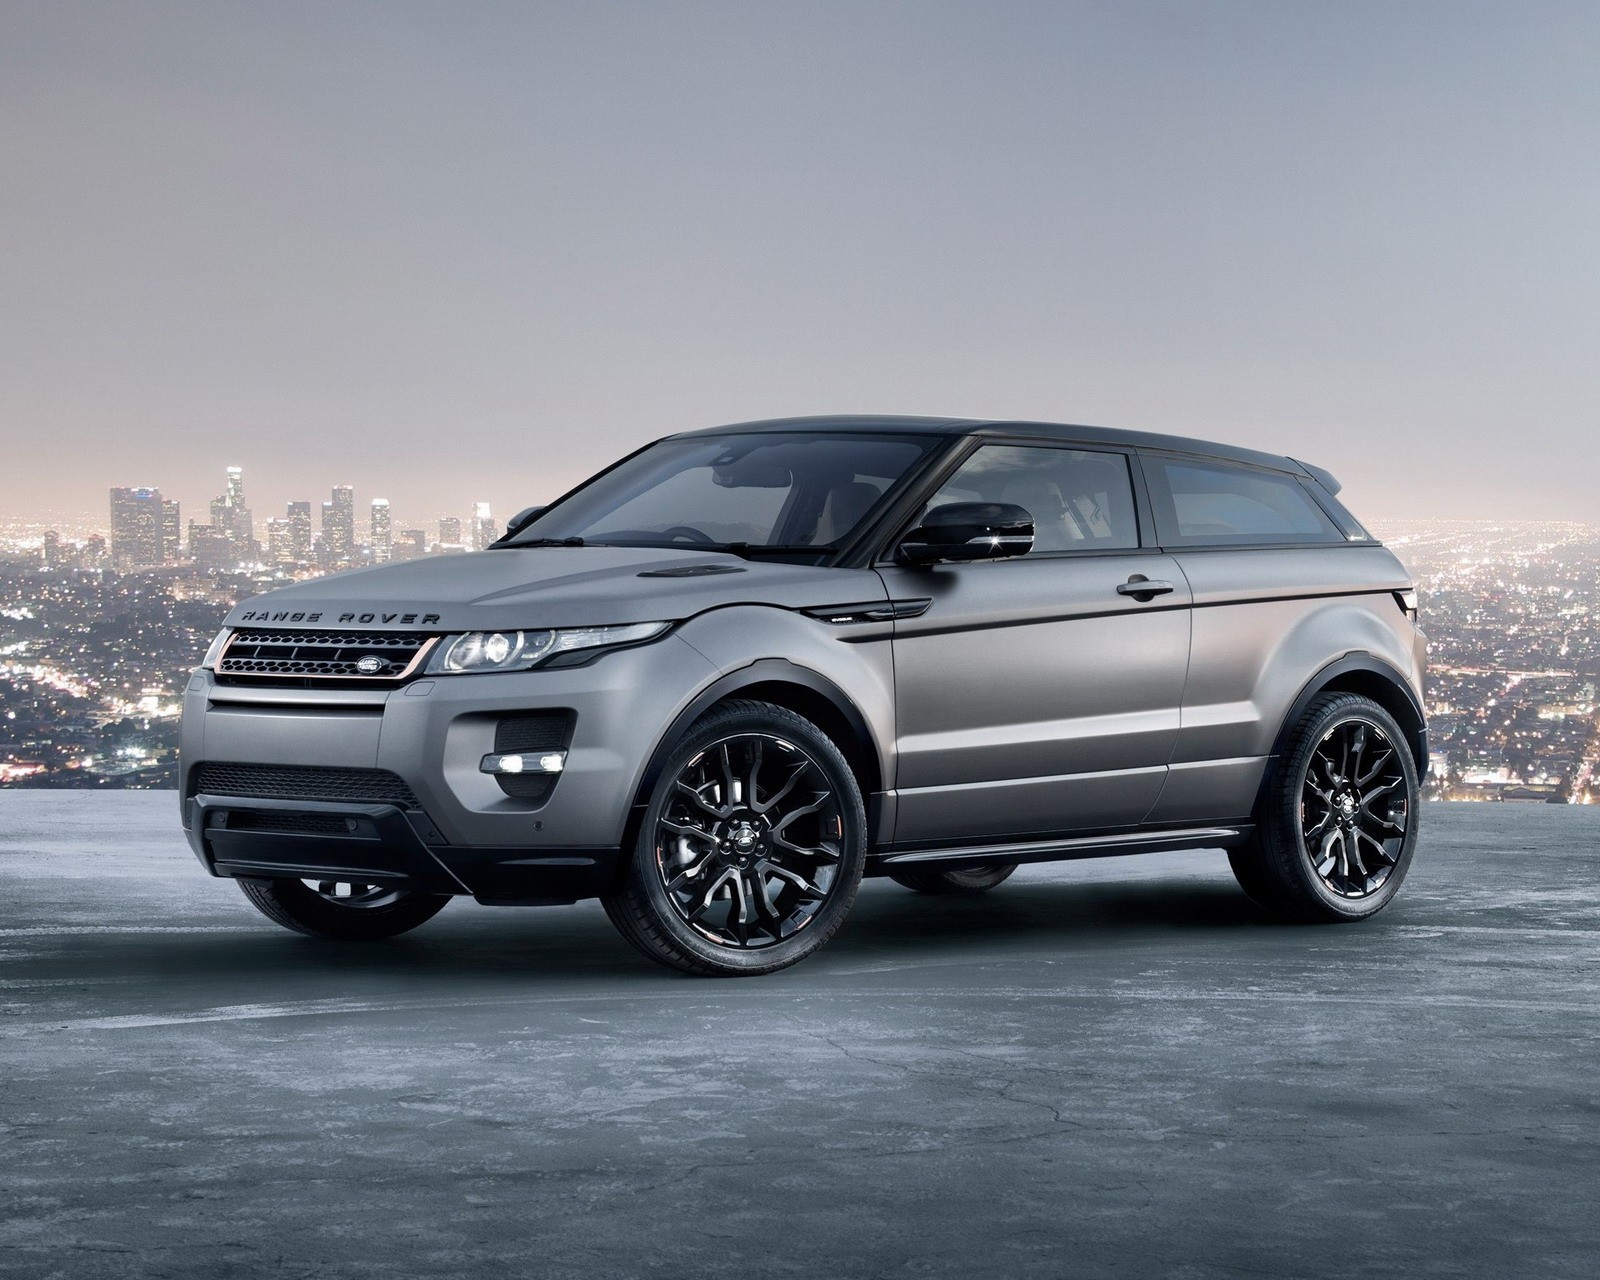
(1370, 677)
(784, 684)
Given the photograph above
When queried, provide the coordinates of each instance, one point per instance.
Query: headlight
(519, 650)
(217, 646)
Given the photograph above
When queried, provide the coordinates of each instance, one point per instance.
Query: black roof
(1052, 431)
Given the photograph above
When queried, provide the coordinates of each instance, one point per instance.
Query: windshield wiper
(555, 542)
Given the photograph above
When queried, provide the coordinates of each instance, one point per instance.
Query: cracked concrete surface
(1104, 1068)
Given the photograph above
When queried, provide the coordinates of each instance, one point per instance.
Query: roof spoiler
(1321, 475)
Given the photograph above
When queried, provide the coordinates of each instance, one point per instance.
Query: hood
(536, 587)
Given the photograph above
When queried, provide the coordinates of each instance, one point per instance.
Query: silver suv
(721, 681)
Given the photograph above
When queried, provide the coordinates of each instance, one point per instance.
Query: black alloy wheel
(748, 845)
(1337, 828)
(1354, 808)
(751, 849)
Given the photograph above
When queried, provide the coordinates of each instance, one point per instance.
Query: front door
(1033, 697)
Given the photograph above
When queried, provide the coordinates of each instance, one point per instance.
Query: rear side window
(1219, 504)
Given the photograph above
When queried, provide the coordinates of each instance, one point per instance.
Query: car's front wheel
(342, 909)
(751, 848)
(1338, 826)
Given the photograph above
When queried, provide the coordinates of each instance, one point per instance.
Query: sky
(472, 251)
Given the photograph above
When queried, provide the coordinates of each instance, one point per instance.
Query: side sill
(1101, 846)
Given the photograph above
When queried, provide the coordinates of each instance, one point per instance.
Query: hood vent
(693, 571)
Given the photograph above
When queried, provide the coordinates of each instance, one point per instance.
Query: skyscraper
(300, 531)
(483, 530)
(280, 540)
(210, 548)
(382, 531)
(244, 525)
(171, 532)
(449, 531)
(139, 527)
(231, 518)
(339, 526)
(230, 538)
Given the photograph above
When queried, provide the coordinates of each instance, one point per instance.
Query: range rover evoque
(721, 681)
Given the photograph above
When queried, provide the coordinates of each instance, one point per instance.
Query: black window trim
(1171, 542)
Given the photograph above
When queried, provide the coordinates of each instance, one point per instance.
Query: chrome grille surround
(324, 655)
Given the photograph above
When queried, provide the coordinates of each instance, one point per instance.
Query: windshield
(762, 491)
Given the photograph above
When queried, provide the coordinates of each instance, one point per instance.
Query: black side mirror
(963, 531)
(522, 520)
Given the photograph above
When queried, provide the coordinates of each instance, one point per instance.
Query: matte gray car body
(1017, 710)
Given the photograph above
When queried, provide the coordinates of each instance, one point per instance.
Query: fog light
(544, 762)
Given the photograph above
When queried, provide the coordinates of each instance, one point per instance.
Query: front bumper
(463, 834)
(251, 838)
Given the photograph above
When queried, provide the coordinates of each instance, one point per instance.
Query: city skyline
(297, 519)
(16, 525)
(441, 249)
(146, 530)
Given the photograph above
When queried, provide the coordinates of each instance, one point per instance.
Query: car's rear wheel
(346, 910)
(751, 848)
(1338, 827)
(964, 881)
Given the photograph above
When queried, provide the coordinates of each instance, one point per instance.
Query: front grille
(324, 655)
(532, 731)
(304, 782)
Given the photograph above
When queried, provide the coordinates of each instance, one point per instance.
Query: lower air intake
(304, 782)
(532, 732)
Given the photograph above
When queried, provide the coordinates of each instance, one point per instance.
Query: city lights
(1512, 612)
(93, 658)
(100, 623)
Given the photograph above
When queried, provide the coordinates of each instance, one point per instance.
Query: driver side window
(1080, 499)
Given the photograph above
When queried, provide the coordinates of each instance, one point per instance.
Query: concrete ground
(1102, 1068)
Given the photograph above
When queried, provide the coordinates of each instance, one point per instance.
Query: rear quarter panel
(1265, 623)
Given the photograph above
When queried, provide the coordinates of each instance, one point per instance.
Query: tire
(1338, 826)
(751, 848)
(367, 913)
(961, 881)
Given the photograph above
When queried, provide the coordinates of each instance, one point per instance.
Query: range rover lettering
(726, 678)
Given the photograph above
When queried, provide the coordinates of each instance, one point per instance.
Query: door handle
(1143, 589)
